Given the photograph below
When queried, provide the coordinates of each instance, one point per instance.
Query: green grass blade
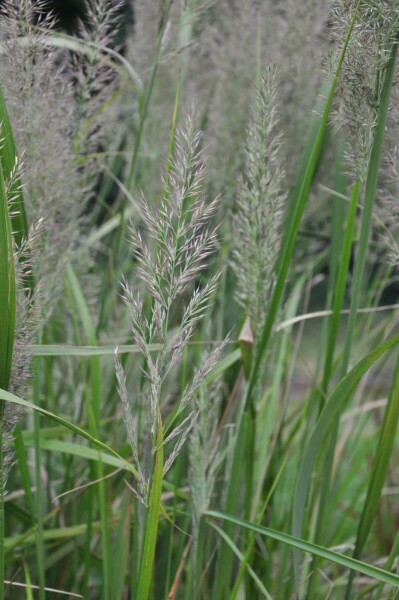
(299, 544)
(9, 397)
(7, 333)
(93, 403)
(7, 289)
(388, 565)
(337, 219)
(241, 558)
(8, 157)
(152, 519)
(294, 221)
(121, 554)
(340, 288)
(20, 451)
(74, 449)
(39, 495)
(87, 351)
(59, 533)
(331, 410)
(380, 469)
(245, 559)
(28, 588)
(90, 332)
(342, 278)
(225, 559)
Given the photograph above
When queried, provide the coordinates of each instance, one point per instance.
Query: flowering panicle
(205, 454)
(95, 80)
(27, 315)
(359, 95)
(170, 255)
(260, 205)
(40, 103)
(54, 100)
(361, 77)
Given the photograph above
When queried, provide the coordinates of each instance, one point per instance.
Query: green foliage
(192, 412)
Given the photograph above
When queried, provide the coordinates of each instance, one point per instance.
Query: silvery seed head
(260, 205)
(171, 248)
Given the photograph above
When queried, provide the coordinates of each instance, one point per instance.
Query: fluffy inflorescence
(233, 44)
(54, 100)
(177, 243)
(260, 205)
(218, 48)
(205, 452)
(361, 78)
(95, 81)
(357, 103)
(42, 96)
(26, 313)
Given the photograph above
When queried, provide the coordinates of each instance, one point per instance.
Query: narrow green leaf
(71, 448)
(28, 588)
(82, 351)
(20, 451)
(7, 333)
(7, 289)
(342, 278)
(250, 545)
(380, 469)
(8, 157)
(151, 527)
(8, 397)
(54, 534)
(241, 558)
(299, 544)
(334, 405)
(95, 366)
(121, 545)
(339, 295)
(93, 404)
(225, 558)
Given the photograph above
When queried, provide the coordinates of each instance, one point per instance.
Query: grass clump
(210, 405)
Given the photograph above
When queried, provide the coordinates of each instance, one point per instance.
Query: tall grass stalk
(285, 257)
(328, 370)
(7, 332)
(299, 204)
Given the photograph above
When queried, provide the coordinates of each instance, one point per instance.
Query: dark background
(69, 12)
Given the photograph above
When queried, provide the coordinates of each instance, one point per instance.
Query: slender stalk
(93, 405)
(328, 368)
(2, 533)
(299, 204)
(7, 333)
(152, 517)
(38, 480)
